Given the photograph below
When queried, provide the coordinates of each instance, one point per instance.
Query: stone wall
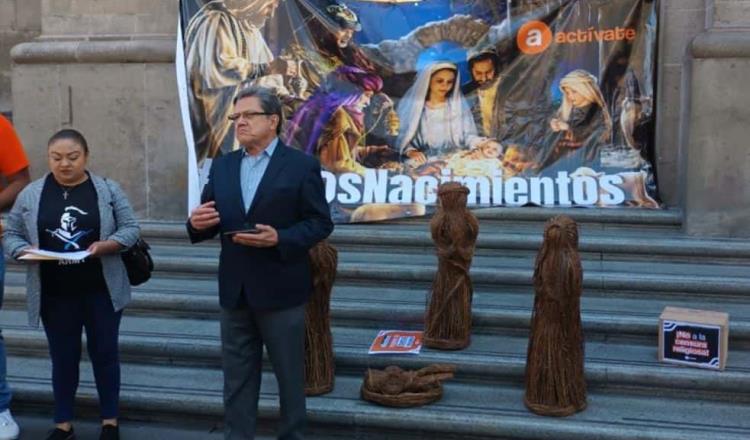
(680, 22)
(108, 18)
(717, 158)
(730, 13)
(20, 20)
(106, 67)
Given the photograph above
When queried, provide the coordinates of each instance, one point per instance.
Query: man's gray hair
(269, 101)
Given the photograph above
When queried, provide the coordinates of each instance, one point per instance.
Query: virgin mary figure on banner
(436, 119)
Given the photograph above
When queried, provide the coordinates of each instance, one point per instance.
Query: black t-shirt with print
(69, 225)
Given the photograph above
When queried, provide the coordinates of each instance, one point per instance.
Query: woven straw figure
(454, 231)
(555, 383)
(319, 363)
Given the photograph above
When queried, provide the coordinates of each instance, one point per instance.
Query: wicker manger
(402, 389)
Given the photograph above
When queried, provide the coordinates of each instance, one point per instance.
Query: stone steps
(467, 410)
(368, 306)
(509, 271)
(635, 264)
(613, 362)
(510, 240)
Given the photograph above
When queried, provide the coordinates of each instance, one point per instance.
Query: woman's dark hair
(71, 135)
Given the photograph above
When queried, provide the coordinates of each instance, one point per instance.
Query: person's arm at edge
(14, 238)
(16, 182)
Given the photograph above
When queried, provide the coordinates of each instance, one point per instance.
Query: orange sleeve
(12, 157)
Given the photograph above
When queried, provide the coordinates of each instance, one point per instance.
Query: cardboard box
(698, 338)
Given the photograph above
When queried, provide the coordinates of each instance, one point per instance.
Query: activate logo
(535, 36)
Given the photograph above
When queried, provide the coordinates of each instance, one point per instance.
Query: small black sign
(691, 344)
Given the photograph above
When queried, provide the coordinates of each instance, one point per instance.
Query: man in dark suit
(268, 202)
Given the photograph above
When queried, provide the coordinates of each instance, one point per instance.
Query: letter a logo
(534, 37)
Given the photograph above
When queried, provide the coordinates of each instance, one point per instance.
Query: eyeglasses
(246, 115)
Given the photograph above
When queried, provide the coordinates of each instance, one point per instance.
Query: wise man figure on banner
(224, 49)
(331, 29)
(331, 126)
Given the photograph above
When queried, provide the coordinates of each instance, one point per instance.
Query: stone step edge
(668, 217)
(643, 374)
(704, 248)
(349, 312)
(340, 414)
(499, 276)
(668, 250)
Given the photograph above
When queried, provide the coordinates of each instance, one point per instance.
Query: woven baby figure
(454, 230)
(555, 383)
(403, 388)
(319, 363)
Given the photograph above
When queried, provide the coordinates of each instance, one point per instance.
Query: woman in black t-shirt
(72, 210)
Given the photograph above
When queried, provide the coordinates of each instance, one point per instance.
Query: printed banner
(525, 102)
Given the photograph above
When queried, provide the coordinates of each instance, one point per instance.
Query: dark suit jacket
(291, 198)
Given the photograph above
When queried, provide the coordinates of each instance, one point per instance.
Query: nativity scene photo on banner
(542, 103)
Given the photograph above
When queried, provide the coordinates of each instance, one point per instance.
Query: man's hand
(104, 247)
(204, 216)
(267, 237)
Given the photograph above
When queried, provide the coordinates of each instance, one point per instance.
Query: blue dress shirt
(252, 169)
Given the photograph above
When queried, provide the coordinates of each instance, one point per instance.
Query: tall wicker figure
(319, 364)
(454, 231)
(555, 384)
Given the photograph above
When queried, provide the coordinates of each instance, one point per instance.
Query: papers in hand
(396, 342)
(42, 255)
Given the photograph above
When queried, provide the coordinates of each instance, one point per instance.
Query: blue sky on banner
(384, 21)
(390, 21)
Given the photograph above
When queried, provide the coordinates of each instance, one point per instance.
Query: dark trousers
(64, 317)
(244, 331)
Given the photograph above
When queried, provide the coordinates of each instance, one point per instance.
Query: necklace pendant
(65, 195)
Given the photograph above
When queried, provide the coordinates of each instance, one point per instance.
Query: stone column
(20, 20)
(716, 174)
(106, 68)
(679, 22)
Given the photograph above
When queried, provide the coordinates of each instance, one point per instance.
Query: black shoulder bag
(138, 262)
(137, 259)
